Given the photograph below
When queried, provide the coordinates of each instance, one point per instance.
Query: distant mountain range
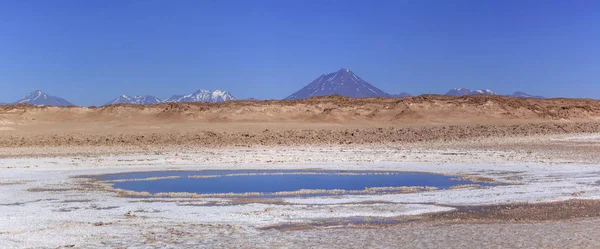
(136, 100)
(525, 95)
(39, 98)
(466, 91)
(213, 96)
(459, 92)
(343, 82)
(202, 96)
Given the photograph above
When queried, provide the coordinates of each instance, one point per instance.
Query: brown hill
(425, 109)
(326, 119)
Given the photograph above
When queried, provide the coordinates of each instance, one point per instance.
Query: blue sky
(89, 52)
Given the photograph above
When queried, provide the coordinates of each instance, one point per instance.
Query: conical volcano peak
(40, 98)
(343, 82)
(345, 71)
(35, 94)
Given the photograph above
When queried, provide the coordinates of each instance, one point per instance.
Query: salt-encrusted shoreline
(44, 202)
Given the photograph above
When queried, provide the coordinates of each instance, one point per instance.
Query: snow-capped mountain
(343, 82)
(203, 96)
(39, 98)
(524, 95)
(466, 91)
(136, 100)
(459, 92)
(485, 92)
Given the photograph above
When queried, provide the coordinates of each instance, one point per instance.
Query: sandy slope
(326, 120)
(426, 109)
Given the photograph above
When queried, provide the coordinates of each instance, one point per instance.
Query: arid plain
(545, 153)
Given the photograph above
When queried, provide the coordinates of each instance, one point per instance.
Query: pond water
(281, 182)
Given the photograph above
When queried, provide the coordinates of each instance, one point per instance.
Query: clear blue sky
(89, 52)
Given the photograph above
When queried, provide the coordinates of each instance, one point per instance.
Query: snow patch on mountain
(40, 98)
(201, 95)
(524, 95)
(136, 100)
(467, 91)
(459, 92)
(485, 91)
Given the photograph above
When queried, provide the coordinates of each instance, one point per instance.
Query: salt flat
(43, 202)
